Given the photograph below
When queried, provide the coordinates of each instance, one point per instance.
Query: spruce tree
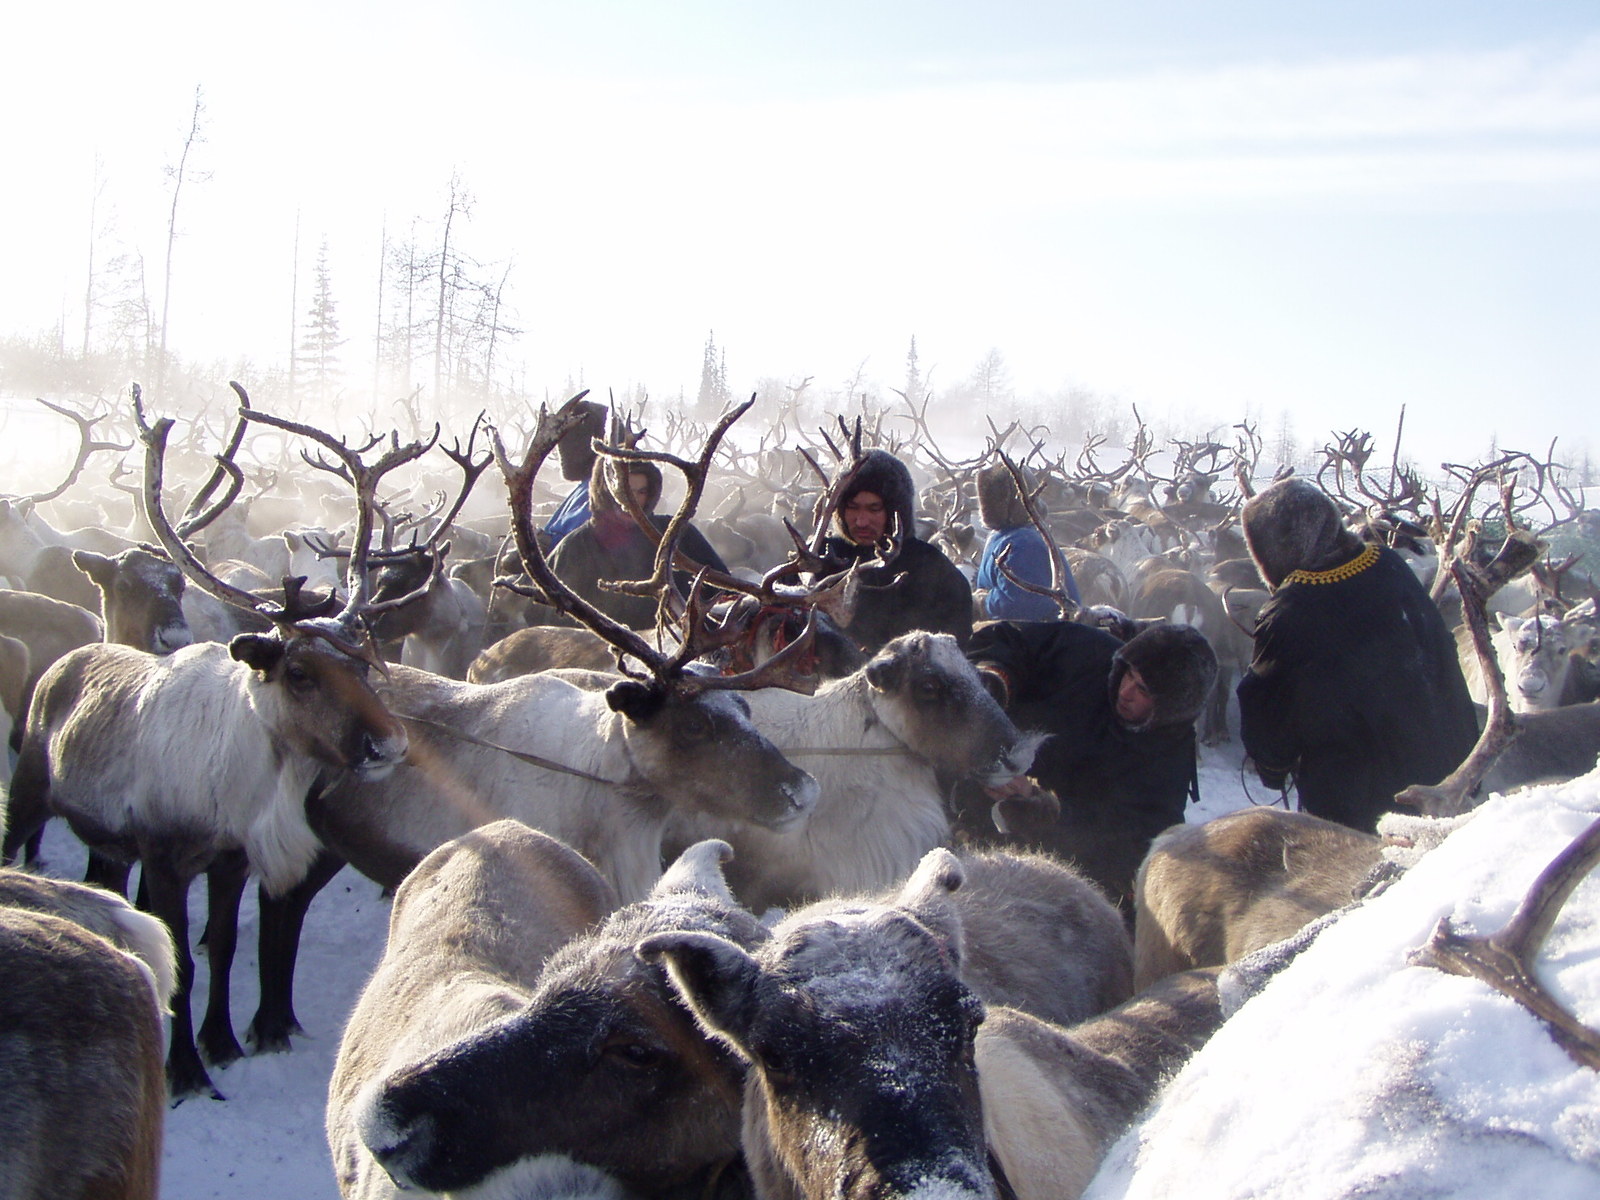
(321, 343)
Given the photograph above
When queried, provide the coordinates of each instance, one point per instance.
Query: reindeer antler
(86, 447)
(667, 670)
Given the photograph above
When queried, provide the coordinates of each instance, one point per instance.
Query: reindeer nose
(380, 754)
(173, 637)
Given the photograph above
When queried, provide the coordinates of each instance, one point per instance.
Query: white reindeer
(112, 733)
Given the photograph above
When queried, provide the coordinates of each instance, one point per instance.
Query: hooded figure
(576, 453)
(1121, 779)
(1355, 688)
(1001, 508)
(610, 545)
(921, 589)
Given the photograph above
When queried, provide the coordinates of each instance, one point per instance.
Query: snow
(1459, 1047)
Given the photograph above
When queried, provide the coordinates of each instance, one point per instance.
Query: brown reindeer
(1209, 894)
(874, 1072)
(84, 1095)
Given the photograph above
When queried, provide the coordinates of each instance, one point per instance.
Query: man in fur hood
(921, 588)
(1121, 753)
(1355, 689)
(1027, 556)
(575, 451)
(610, 545)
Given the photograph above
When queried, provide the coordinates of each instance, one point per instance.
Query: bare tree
(178, 175)
(460, 205)
(96, 189)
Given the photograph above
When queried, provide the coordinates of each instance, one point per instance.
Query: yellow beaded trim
(1352, 568)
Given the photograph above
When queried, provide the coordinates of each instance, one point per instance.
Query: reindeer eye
(634, 1054)
(298, 677)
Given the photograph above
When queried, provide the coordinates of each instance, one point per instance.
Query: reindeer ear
(634, 700)
(926, 896)
(97, 567)
(258, 650)
(715, 978)
(887, 672)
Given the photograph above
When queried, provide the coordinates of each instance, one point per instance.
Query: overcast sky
(1209, 210)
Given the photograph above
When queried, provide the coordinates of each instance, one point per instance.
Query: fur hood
(1294, 526)
(573, 449)
(884, 475)
(600, 498)
(1000, 505)
(1179, 667)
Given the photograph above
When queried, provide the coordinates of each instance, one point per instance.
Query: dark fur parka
(610, 545)
(1118, 786)
(1355, 688)
(933, 595)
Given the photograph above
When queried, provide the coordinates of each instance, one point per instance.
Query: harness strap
(532, 759)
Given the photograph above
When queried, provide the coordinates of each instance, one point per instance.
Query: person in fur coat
(1354, 689)
(610, 545)
(921, 588)
(1121, 756)
(1027, 556)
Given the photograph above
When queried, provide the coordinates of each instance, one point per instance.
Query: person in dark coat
(610, 545)
(1121, 754)
(933, 594)
(1354, 689)
(575, 452)
(1027, 556)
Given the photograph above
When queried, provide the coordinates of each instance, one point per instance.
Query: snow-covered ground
(266, 1139)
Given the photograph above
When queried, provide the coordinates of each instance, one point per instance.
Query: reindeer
(469, 934)
(87, 980)
(1371, 1061)
(462, 1113)
(602, 769)
(111, 734)
(874, 1073)
(1207, 895)
(881, 743)
(615, 1075)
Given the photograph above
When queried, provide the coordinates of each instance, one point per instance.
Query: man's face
(1134, 701)
(865, 518)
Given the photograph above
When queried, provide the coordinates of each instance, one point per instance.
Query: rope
(532, 759)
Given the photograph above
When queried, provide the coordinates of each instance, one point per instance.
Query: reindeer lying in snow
(875, 1074)
(82, 1094)
(604, 1065)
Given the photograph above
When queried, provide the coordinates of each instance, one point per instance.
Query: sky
(1317, 1044)
(1212, 211)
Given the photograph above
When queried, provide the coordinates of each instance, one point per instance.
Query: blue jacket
(1030, 560)
(572, 512)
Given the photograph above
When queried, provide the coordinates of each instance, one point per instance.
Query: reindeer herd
(676, 911)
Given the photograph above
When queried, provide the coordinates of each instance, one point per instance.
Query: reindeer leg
(281, 922)
(169, 900)
(225, 879)
(1505, 960)
(104, 871)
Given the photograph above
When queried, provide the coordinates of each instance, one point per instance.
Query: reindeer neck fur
(198, 701)
(618, 825)
(841, 715)
(877, 814)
